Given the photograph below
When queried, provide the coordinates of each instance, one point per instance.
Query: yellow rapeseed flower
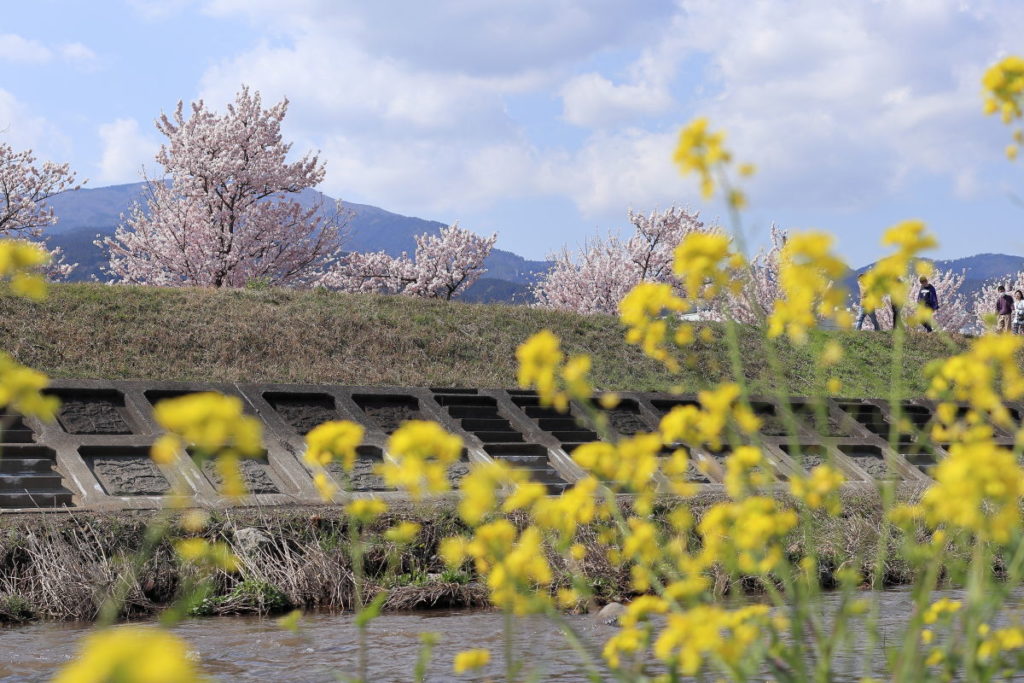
(421, 452)
(809, 276)
(212, 423)
(131, 654)
(468, 660)
(645, 311)
(336, 440)
(21, 388)
(403, 533)
(820, 489)
(366, 509)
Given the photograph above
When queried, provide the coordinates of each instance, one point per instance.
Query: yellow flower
(324, 486)
(131, 654)
(540, 358)
(199, 551)
(366, 509)
(746, 534)
(643, 312)
(335, 440)
(702, 263)
(212, 423)
(19, 263)
(940, 608)
(701, 152)
(708, 632)
(1004, 84)
(808, 276)
(421, 452)
(479, 488)
(744, 471)
(888, 277)
(468, 660)
(21, 389)
(403, 533)
(513, 564)
(453, 551)
(629, 464)
(819, 490)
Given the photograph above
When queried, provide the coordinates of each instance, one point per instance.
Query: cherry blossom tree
(761, 287)
(598, 276)
(443, 266)
(983, 304)
(954, 313)
(223, 217)
(25, 187)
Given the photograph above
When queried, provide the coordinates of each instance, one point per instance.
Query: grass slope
(98, 331)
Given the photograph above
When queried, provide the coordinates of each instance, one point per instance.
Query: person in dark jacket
(927, 298)
(1004, 311)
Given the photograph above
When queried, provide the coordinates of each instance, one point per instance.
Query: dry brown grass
(64, 566)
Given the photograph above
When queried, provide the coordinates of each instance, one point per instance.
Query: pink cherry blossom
(24, 213)
(443, 266)
(598, 276)
(224, 216)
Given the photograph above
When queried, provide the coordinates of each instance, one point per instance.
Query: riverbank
(98, 331)
(63, 565)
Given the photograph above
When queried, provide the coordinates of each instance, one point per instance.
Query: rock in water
(610, 613)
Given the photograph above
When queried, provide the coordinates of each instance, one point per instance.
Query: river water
(244, 649)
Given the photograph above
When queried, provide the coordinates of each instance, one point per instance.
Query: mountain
(86, 213)
(978, 270)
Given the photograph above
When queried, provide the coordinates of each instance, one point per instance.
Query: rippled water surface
(240, 648)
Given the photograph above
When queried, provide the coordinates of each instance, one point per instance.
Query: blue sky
(546, 120)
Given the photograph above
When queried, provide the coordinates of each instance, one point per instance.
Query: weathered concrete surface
(95, 454)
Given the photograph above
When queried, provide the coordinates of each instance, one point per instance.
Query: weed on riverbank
(65, 566)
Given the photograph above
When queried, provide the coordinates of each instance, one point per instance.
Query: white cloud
(484, 37)
(22, 129)
(126, 152)
(14, 48)
(418, 107)
(79, 54)
(594, 101)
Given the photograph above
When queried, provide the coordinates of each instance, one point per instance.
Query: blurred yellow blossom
(366, 509)
(421, 452)
(332, 441)
(131, 654)
(468, 660)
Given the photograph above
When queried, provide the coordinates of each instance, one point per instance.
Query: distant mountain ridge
(978, 270)
(89, 212)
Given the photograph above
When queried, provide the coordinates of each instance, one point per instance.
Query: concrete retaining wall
(96, 454)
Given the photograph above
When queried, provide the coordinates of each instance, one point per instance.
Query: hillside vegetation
(119, 332)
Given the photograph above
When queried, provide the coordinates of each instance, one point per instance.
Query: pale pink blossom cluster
(443, 266)
(983, 306)
(954, 314)
(598, 276)
(761, 287)
(223, 217)
(24, 213)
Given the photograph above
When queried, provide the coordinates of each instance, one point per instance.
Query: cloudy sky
(546, 120)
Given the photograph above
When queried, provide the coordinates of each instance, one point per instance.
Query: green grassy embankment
(87, 331)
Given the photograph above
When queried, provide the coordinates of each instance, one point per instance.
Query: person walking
(1018, 312)
(927, 298)
(1004, 310)
(864, 312)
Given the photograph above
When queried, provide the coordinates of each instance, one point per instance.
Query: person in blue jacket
(928, 298)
